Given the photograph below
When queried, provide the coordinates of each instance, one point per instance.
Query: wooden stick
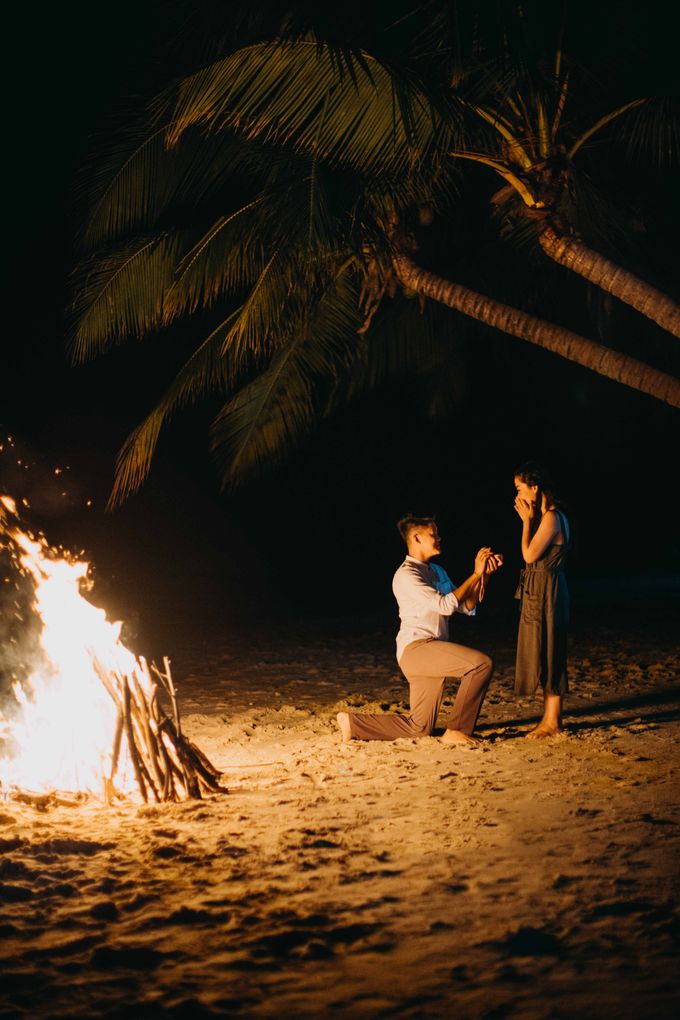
(210, 778)
(171, 751)
(107, 680)
(153, 687)
(166, 679)
(205, 761)
(115, 753)
(153, 702)
(145, 756)
(152, 746)
(185, 750)
(173, 772)
(134, 755)
(167, 764)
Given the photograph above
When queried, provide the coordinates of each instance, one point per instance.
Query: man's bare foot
(543, 730)
(458, 737)
(345, 728)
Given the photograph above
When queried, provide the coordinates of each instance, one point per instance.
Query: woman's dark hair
(532, 473)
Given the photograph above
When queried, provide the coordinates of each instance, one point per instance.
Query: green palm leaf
(270, 415)
(133, 182)
(357, 112)
(120, 294)
(651, 132)
(227, 257)
(245, 339)
(139, 178)
(205, 371)
(294, 216)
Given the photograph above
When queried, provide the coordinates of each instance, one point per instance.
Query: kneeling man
(427, 599)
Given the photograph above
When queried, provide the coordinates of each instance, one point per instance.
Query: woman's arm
(534, 546)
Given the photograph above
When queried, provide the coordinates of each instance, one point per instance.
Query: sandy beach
(409, 879)
(291, 291)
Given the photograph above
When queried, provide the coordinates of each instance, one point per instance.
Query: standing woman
(544, 610)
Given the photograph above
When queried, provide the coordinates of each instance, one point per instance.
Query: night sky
(315, 537)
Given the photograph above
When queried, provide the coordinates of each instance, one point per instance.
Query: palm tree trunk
(570, 251)
(603, 360)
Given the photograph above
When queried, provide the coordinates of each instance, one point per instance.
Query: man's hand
(494, 561)
(471, 591)
(482, 558)
(487, 561)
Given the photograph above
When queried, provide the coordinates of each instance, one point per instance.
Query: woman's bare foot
(458, 737)
(345, 728)
(543, 730)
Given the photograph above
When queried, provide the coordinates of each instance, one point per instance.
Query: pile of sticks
(166, 764)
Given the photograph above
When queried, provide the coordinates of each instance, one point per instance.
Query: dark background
(316, 537)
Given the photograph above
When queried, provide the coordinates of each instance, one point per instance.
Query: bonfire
(91, 718)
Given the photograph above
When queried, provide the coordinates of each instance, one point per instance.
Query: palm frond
(120, 294)
(261, 317)
(513, 179)
(228, 256)
(205, 372)
(608, 224)
(138, 178)
(243, 341)
(652, 132)
(602, 122)
(506, 130)
(302, 212)
(324, 230)
(131, 184)
(272, 413)
(359, 113)
(133, 462)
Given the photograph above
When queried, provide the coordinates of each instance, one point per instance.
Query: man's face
(428, 541)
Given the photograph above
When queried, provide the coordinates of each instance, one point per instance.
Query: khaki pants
(426, 664)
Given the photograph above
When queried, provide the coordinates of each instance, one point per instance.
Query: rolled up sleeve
(462, 608)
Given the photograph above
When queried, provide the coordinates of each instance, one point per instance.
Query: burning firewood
(167, 765)
(146, 739)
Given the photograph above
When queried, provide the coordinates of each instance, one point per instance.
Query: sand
(410, 879)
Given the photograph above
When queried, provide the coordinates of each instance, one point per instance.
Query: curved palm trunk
(571, 346)
(571, 252)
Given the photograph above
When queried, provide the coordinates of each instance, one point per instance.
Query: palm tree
(534, 147)
(271, 255)
(619, 367)
(262, 202)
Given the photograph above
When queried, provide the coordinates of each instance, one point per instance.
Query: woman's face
(527, 492)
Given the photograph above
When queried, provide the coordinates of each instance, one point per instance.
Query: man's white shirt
(423, 611)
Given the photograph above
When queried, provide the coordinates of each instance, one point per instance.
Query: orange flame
(62, 735)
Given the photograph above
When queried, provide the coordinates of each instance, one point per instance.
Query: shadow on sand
(656, 706)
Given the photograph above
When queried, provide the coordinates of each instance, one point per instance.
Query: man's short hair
(411, 522)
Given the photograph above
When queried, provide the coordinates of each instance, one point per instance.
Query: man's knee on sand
(345, 721)
(425, 730)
